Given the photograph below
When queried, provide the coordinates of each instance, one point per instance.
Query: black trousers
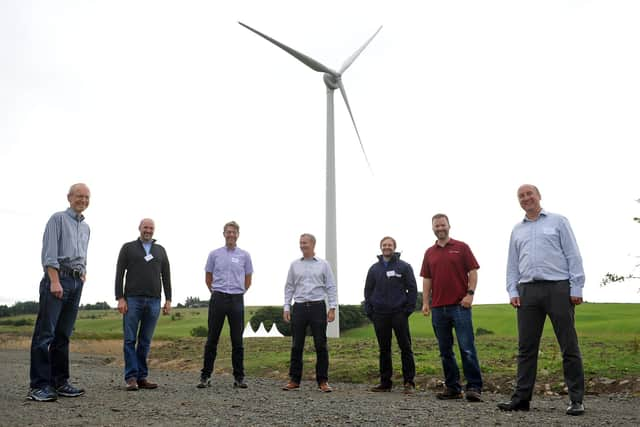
(537, 301)
(230, 306)
(384, 324)
(313, 314)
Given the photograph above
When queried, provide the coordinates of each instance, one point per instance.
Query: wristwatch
(470, 292)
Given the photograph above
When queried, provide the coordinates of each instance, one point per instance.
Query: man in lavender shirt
(228, 276)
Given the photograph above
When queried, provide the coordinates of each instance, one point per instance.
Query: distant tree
(97, 306)
(633, 274)
(194, 302)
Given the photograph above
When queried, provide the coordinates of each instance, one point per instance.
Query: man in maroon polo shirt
(450, 275)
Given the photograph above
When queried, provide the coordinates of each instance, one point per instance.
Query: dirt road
(178, 402)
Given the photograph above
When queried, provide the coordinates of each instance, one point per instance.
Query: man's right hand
(56, 290)
(286, 316)
(425, 309)
(122, 305)
(515, 302)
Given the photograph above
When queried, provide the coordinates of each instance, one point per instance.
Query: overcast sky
(173, 111)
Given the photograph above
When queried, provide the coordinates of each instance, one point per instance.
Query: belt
(76, 274)
(546, 282)
(308, 303)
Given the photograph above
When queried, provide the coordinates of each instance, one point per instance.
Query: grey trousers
(537, 301)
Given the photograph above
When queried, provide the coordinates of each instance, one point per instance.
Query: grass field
(609, 336)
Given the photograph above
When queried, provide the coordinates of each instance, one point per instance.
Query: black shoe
(449, 394)
(43, 394)
(67, 390)
(575, 408)
(239, 383)
(204, 382)
(380, 388)
(514, 405)
(473, 395)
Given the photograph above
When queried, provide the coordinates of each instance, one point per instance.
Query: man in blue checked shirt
(64, 260)
(544, 278)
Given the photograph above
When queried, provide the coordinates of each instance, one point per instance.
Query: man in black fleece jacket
(147, 271)
(390, 293)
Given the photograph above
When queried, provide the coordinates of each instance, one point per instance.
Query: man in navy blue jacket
(390, 293)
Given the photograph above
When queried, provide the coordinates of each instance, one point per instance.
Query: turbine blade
(357, 53)
(306, 60)
(346, 101)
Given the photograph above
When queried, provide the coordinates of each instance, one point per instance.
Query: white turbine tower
(332, 80)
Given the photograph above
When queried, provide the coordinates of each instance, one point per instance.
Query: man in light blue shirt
(309, 282)
(227, 276)
(64, 260)
(544, 278)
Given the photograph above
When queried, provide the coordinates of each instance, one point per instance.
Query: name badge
(148, 258)
(235, 260)
(391, 273)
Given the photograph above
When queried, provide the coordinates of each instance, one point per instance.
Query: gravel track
(178, 402)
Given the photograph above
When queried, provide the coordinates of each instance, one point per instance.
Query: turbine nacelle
(331, 81)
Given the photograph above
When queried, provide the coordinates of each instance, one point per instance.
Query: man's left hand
(467, 301)
(167, 308)
(331, 315)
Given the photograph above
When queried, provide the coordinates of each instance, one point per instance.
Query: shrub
(199, 331)
(482, 331)
(17, 322)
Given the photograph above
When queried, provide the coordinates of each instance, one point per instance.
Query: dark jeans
(313, 314)
(138, 323)
(537, 300)
(230, 306)
(54, 325)
(384, 324)
(444, 320)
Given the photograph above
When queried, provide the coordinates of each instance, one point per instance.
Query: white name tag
(235, 260)
(148, 258)
(391, 273)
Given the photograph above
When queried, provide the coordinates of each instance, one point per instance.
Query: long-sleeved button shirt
(65, 241)
(229, 268)
(310, 280)
(544, 249)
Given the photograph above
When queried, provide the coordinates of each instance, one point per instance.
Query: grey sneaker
(575, 408)
(67, 390)
(43, 394)
(204, 382)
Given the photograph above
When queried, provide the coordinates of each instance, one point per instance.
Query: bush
(17, 322)
(482, 331)
(199, 331)
(270, 315)
(351, 316)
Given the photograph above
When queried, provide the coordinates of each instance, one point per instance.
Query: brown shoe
(132, 384)
(143, 383)
(291, 385)
(325, 387)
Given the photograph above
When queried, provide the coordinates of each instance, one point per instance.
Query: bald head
(529, 198)
(146, 227)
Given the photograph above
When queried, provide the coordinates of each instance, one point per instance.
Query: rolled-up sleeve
(50, 242)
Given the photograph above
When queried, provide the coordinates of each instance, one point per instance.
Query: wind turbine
(332, 80)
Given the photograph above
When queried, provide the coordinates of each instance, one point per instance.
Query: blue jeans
(139, 322)
(444, 320)
(54, 325)
(231, 306)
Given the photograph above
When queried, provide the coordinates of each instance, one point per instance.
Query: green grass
(609, 338)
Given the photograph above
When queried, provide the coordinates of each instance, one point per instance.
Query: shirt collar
(542, 213)
(77, 216)
(313, 258)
